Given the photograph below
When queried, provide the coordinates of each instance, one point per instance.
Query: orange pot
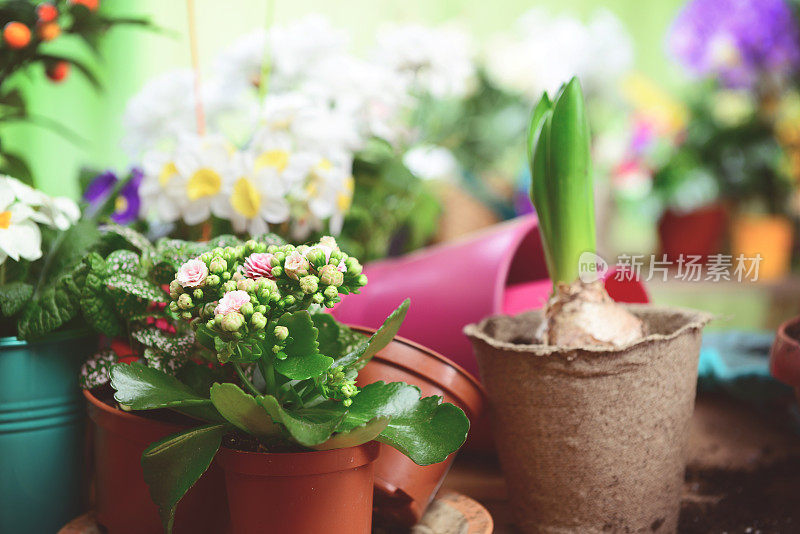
(767, 235)
(300, 493)
(404, 489)
(122, 500)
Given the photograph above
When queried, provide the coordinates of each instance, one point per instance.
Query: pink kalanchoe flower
(258, 265)
(296, 265)
(232, 301)
(342, 268)
(192, 273)
(325, 250)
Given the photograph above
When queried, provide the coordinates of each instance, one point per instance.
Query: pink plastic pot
(499, 270)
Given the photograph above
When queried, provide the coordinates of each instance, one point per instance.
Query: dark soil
(765, 500)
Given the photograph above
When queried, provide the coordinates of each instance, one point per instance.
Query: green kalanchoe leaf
(356, 436)
(308, 428)
(143, 388)
(13, 297)
(380, 339)
(173, 465)
(426, 430)
(303, 359)
(243, 411)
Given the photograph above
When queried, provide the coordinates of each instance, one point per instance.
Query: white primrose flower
(205, 166)
(20, 236)
(545, 51)
(256, 194)
(58, 212)
(162, 190)
(431, 162)
(437, 61)
(328, 190)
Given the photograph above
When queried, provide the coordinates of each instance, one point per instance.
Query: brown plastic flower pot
(122, 500)
(300, 493)
(785, 355)
(403, 488)
(590, 439)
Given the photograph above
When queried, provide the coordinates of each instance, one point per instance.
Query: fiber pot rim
(436, 356)
(693, 319)
(784, 336)
(293, 464)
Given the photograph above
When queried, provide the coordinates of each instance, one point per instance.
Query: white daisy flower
(20, 236)
(163, 188)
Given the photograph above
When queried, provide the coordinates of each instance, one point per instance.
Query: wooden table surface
(743, 473)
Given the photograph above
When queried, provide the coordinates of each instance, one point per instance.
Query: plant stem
(249, 385)
(269, 375)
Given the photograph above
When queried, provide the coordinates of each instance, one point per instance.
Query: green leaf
(121, 284)
(179, 347)
(98, 310)
(303, 359)
(380, 339)
(425, 430)
(561, 174)
(143, 388)
(123, 261)
(130, 238)
(355, 436)
(243, 411)
(335, 339)
(307, 429)
(13, 297)
(53, 308)
(173, 465)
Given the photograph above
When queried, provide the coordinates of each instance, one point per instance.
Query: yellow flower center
(246, 199)
(5, 220)
(167, 172)
(204, 182)
(325, 164)
(120, 204)
(345, 198)
(277, 159)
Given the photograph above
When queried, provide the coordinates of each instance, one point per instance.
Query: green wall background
(131, 56)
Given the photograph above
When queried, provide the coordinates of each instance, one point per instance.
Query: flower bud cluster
(339, 387)
(240, 292)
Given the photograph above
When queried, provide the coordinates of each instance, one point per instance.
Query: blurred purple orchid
(737, 40)
(127, 203)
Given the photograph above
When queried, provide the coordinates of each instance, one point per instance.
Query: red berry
(58, 71)
(16, 35)
(46, 12)
(48, 31)
(91, 5)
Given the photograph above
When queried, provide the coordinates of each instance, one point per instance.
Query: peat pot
(300, 493)
(404, 489)
(592, 440)
(122, 500)
(41, 431)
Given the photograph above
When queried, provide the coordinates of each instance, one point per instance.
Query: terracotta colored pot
(122, 500)
(300, 493)
(767, 235)
(700, 232)
(499, 270)
(403, 488)
(784, 360)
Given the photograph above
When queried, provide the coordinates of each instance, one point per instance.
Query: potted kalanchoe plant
(294, 434)
(590, 400)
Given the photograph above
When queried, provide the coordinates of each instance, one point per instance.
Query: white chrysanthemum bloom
(164, 110)
(257, 192)
(437, 61)
(544, 52)
(20, 236)
(431, 162)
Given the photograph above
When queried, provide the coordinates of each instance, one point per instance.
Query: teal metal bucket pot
(42, 429)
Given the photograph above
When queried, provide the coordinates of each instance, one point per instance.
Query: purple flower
(127, 204)
(738, 41)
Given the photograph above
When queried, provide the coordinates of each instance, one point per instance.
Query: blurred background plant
(34, 36)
